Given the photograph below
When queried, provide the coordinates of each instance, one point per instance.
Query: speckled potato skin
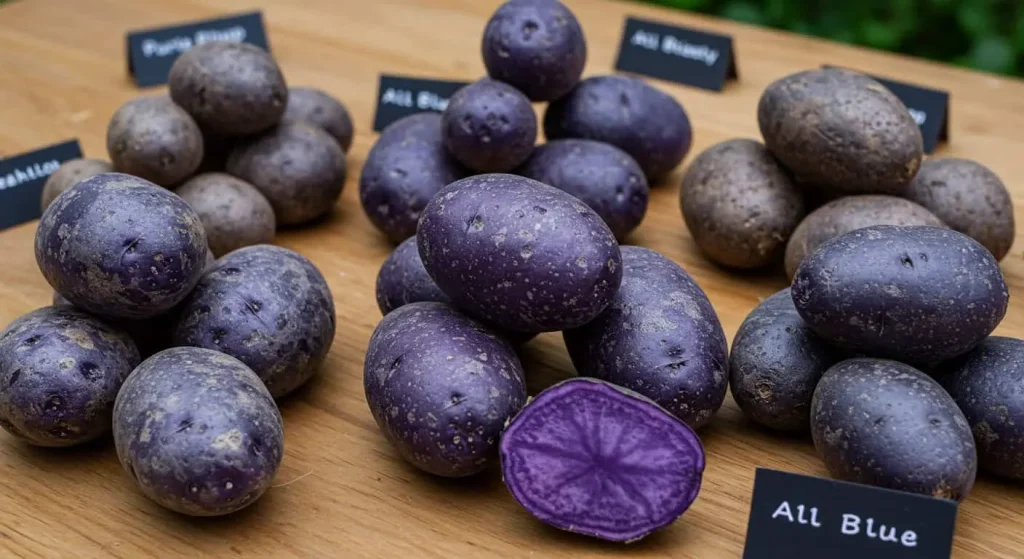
(60, 370)
(320, 108)
(441, 387)
(150, 335)
(969, 198)
(536, 46)
(740, 205)
(841, 216)
(988, 386)
(884, 423)
(659, 337)
(198, 432)
(519, 254)
(915, 294)
(405, 169)
(841, 131)
(121, 247)
(775, 363)
(601, 175)
(626, 112)
(231, 89)
(152, 138)
(297, 166)
(69, 174)
(489, 126)
(233, 212)
(267, 306)
(402, 279)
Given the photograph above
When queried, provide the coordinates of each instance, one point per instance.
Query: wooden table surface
(341, 490)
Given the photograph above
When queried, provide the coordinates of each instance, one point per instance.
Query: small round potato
(69, 174)
(489, 126)
(969, 198)
(320, 108)
(403, 279)
(231, 89)
(297, 166)
(233, 212)
(740, 205)
(152, 138)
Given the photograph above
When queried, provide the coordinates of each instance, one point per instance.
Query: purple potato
(60, 370)
(592, 458)
(152, 138)
(489, 126)
(198, 432)
(121, 247)
(660, 337)
(519, 254)
(642, 121)
(601, 175)
(441, 387)
(150, 335)
(403, 279)
(233, 212)
(884, 423)
(69, 174)
(536, 46)
(320, 108)
(915, 294)
(267, 306)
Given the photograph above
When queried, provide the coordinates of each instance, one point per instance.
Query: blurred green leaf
(993, 54)
(740, 10)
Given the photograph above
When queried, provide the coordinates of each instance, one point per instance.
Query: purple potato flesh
(595, 459)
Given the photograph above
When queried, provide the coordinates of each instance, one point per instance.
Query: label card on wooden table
(676, 54)
(22, 178)
(401, 96)
(793, 515)
(151, 52)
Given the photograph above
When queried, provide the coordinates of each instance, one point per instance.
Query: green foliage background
(983, 34)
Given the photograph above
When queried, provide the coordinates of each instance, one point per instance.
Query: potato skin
(402, 279)
(642, 121)
(231, 89)
(916, 294)
(60, 370)
(233, 212)
(659, 337)
(152, 138)
(843, 215)
(441, 387)
(489, 126)
(405, 169)
(601, 175)
(740, 205)
(519, 254)
(969, 198)
(198, 432)
(297, 166)
(841, 131)
(322, 109)
(884, 423)
(775, 363)
(121, 247)
(266, 306)
(69, 174)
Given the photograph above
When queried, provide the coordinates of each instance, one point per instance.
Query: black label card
(794, 515)
(22, 178)
(151, 52)
(676, 54)
(400, 96)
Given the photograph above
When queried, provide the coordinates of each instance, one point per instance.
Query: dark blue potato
(988, 385)
(405, 169)
(267, 306)
(601, 175)
(659, 337)
(198, 432)
(403, 279)
(625, 112)
(884, 423)
(519, 254)
(60, 370)
(121, 247)
(775, 364)
(914, 294)
(441, 387)
(536, 46)
(489, 126)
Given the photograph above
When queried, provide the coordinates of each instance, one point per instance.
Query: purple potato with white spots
(660, 337)
(198, 432)
(441, 387)
(60, 370)
(320, 108)
(489, 126)
(402, 279)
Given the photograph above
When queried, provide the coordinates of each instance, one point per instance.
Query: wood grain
(342, 491)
